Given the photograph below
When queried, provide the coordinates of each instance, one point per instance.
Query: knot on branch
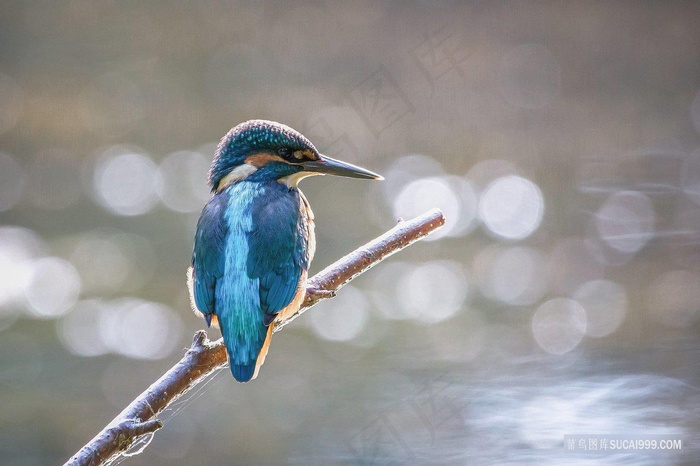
(200, 337)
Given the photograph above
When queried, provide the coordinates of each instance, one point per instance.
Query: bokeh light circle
(103, 264)
(139, 329)
(516, 276)
(433, 291)
(406, 169)
(512, 207)
(559, 325)
(343, 318)
(78, 332)
(181, 185)
(384, 289)
(125, 183)
(625, 221)
(18, 247)
(485, 172)
(454, 196)
(605, 303)
(54, 287)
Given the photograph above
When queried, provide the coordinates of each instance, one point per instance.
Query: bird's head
(260, 150)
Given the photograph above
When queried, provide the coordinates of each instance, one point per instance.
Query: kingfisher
(255, 237)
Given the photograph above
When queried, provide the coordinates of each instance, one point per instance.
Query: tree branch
(204, 356)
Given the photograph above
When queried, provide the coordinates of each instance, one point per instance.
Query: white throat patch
(239, 173)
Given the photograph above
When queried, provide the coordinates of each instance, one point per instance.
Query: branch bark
(204, 356)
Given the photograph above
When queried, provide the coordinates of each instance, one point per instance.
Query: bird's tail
(243, 372)
(244, 338)
(247, 372)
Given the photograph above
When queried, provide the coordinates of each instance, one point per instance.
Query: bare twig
(336, 275)
(204, 356)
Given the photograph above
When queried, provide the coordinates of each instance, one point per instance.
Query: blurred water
(503, 415)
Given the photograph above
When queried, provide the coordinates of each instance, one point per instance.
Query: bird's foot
(317, 294)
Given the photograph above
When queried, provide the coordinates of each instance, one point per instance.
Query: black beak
(328, 166)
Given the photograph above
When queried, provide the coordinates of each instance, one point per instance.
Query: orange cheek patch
(261, 159)
(305, 154)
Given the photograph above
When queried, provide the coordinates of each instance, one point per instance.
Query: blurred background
(561, 140)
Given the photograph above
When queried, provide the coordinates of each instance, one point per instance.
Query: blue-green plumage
(254, 239)
(250, 251)
(208, 257)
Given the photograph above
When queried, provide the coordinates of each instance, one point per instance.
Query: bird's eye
(284, 152)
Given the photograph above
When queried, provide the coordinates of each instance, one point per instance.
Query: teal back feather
(265, 252)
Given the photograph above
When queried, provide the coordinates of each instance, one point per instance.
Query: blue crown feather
(253, 136)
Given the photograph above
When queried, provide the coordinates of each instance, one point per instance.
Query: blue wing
(278, 252)
(251, 250)
(208, 258)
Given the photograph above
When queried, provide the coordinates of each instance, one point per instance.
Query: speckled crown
(250, 137)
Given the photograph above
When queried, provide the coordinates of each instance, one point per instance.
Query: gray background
(561, 139)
